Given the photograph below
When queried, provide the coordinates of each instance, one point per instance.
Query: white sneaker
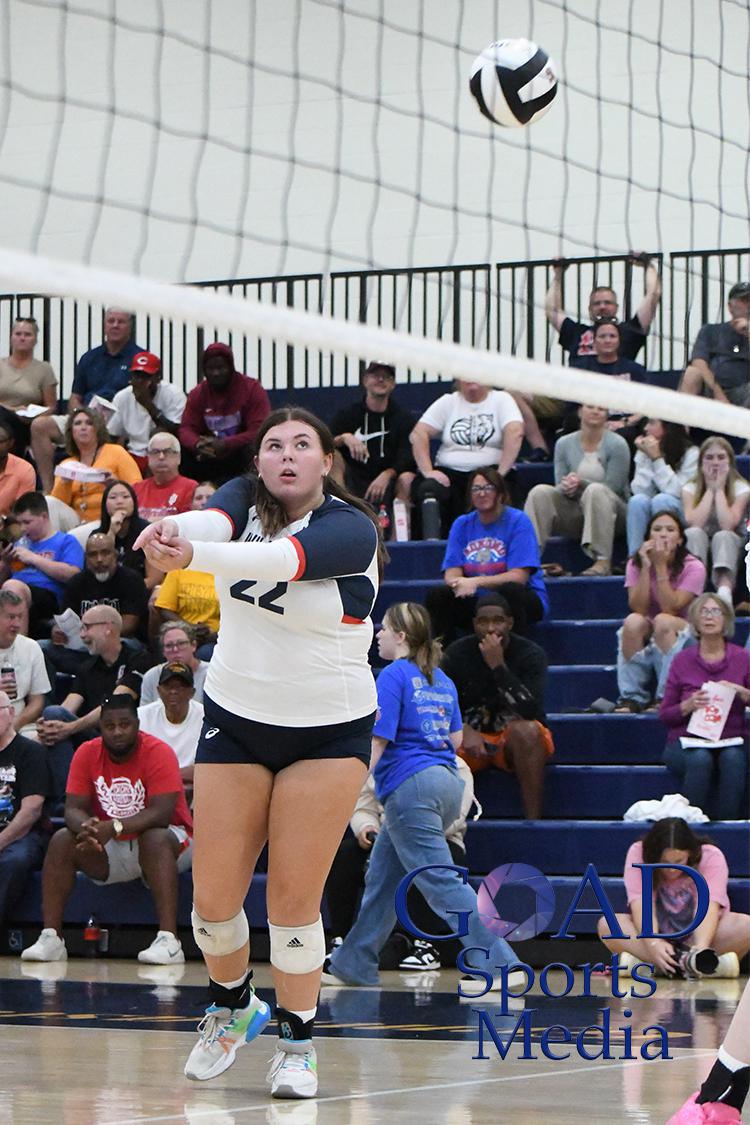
(47, 947)
(423, 957)
(294, 1070)
(165, 949)
(728, 967)
(628, 961)
(221, 1034)
(473, 988)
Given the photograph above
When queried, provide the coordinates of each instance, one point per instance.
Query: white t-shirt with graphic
(471, 433)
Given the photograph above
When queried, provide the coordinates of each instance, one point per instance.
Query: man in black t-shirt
(24, 787)
(104, 581)
(372, 440)
(500, 678)
(720, 363)
(111, 667)
(577, 338)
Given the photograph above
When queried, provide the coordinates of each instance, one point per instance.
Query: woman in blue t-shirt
(492, 549)
(415, 738)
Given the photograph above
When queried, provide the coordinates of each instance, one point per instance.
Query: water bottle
(383, 518)
(92, 936)
(430, 518)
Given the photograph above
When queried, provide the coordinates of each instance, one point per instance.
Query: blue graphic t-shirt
(494, 548)
(417, 718)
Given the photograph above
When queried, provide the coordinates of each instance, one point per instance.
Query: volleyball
(514, 82)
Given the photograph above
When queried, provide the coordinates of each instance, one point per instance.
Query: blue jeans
(718, 777)
(640, 510)
(17, 861)
(59, 757)
(412, 835)
(635, 677)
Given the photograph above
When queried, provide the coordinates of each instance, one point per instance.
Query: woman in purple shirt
(715, 774)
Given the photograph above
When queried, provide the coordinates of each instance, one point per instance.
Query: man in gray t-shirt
(177, 642)
(720, 363)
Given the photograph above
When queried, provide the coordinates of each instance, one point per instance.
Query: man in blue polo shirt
(102, 371)
(47, 558)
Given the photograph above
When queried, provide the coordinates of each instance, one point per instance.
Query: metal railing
(498, 306)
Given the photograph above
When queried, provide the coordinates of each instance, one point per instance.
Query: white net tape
(193, 306)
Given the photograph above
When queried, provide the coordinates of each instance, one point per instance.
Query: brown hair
(732, 476)
(102, 436)
(413, 621)
(672, 834)
(271, 512)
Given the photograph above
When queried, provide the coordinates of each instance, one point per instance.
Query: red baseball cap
(146, 363)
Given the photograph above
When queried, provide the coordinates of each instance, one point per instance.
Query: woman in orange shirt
(87, 441)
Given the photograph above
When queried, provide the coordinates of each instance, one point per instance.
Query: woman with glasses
(492, 548)
(711, 775)
(715, 503)
(588, 498)
(662, 580)
(176, 642)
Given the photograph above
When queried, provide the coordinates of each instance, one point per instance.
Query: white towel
(672, 804)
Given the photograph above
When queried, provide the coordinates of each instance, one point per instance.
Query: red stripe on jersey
(300, 555)
(223, 513)
(347, 620)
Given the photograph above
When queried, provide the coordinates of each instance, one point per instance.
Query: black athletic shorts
(230, 738)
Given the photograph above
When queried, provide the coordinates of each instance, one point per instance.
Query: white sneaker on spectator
(48, 947)
(728, 967)
(422, 957)
(294, 1070)
(165, 949)
(475, 988)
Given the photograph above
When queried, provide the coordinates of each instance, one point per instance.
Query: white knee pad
(219, 938)
(298, 949)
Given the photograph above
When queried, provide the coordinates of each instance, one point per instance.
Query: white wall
(103, 156)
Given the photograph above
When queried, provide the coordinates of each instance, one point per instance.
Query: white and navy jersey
(295, 610)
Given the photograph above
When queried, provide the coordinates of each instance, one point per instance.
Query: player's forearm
(279, 561)
(198, 526)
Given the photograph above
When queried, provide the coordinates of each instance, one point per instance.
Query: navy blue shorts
(230, 738)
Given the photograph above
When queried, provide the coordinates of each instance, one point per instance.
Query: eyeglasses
(710, 611)
(482, 488)
(173, 645)
(163, 452)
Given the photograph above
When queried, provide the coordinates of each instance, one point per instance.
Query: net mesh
(227, 139)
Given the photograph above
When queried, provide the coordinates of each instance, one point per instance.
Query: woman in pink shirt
(725, 932)
(662, 580)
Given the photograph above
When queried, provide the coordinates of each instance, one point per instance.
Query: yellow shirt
(86, 499)
(191, 594)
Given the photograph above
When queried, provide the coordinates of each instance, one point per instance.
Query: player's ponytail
(271, 512)
(413, 621)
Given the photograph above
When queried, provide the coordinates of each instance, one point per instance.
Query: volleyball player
(289, 707)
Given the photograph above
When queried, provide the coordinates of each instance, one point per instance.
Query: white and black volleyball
(514, 82)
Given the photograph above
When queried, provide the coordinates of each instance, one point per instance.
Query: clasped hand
(163, 546)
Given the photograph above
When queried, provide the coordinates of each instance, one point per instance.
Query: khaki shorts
(124, 857)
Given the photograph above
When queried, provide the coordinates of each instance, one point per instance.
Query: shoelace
(212, 1024)
(293, 1062)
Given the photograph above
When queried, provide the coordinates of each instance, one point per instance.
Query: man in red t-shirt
(126, 818)
(165, 492)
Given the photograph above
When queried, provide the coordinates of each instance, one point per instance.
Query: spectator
(188, 595)
(23, 673)
(148, 405)
(42, 558)
(165, 492)
(608, 360)
(492, 548)
(477, 426)
(16, 475)
(175, 717)
(709, 774)
(720, 363)
(203, 493)
(578, 339)
(372, 441)
(672, 840)
(222, 416)
(125, 818)
(347, 875)
(104, 581)
(590, 491)
(122, 519)
(86, 440)
(500, 678)
(715, 503)
(662, 581)
(24, 380)
(416, 731)
(177, 642)
(665, 461)
(111, 668)
(24, 787)
(103, 371)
